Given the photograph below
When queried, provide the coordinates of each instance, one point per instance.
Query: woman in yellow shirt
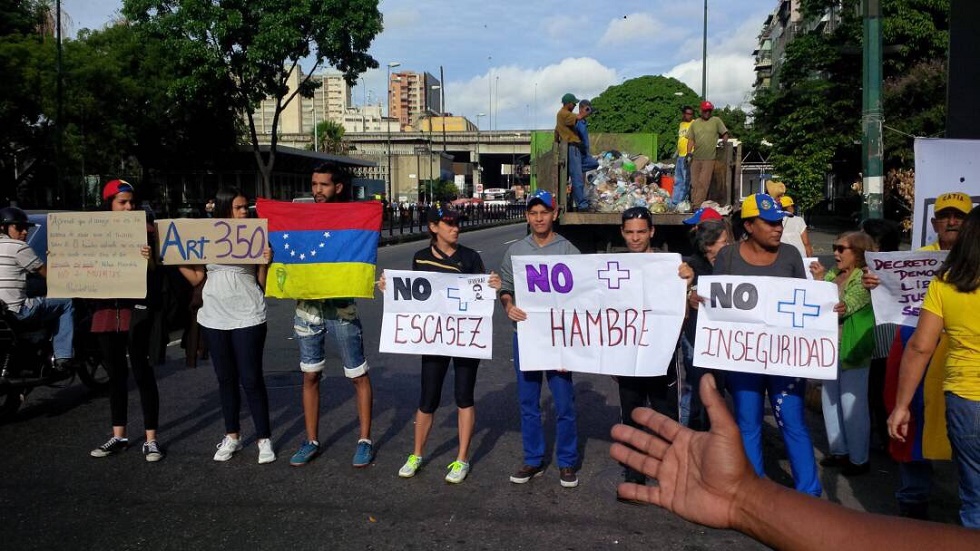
(951, 305)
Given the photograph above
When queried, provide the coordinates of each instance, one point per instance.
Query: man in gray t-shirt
(17, 259)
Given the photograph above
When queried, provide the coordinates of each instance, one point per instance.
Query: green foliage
(645, 104)
(330, 136)
(255, 44)
(442, 190)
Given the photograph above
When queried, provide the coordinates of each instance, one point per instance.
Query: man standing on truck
(702, 142)
(565, 134)
(682, 169)
(582, 129)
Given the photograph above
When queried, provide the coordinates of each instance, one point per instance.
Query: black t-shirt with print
(464, 261)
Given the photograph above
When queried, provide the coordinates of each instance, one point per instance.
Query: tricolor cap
(541, 197)
(115, 187)
(442, 213)
(702, 214)
(956, 200)
(762, 206)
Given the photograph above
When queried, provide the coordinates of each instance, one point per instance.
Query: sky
(525, 54)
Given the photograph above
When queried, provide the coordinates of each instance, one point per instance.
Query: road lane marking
(511, 241)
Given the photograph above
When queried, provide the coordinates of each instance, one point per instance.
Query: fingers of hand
(660, 424)
(636, 460)
(637, 492)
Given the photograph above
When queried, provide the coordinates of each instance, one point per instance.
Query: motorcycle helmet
(13, 215)
(707, 106)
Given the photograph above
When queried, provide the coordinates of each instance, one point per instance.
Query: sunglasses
(637, 213)
(841, 248)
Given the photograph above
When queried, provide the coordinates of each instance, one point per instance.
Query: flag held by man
(322, 250)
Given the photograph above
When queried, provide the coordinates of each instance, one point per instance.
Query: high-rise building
(412, 95)
(330, 101)
(783, 25)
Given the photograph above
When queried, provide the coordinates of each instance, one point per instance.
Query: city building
(446, 123)
(781, 27)
(330, 101)
(413, 95)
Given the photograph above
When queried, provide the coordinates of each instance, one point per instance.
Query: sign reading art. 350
(212, 240)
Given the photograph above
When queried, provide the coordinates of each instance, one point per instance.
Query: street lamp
(478, 166)
(391, 66)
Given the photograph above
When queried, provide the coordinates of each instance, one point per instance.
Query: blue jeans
(963, 424)
(846, 415)
(46, 310)
(532, 433)
(577, 177)
(916, 482)
(682, 181)
(237, 358)
(786, 398)
(346, 336)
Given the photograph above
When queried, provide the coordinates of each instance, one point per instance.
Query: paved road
(54, 496)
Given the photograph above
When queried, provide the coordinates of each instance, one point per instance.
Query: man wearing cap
(702, 142)
(17, 259)
(582, 129)
(565, 134)
(542, 241)
(682, 169)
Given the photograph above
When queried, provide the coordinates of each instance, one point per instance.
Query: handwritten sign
(212, 240)
(904, 278)
(807, 261)
(769, 325)
(96, 255)
(430, 313)
(614, 314)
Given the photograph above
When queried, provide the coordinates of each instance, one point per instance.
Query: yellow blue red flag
(322, 250)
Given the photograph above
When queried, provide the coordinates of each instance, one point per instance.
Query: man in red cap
(702, 141)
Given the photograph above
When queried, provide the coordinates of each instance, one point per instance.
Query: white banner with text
(903, 280)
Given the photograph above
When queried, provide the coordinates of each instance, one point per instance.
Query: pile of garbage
(622, 181)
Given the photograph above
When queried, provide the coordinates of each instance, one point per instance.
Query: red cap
(115, 187)
(707, 106)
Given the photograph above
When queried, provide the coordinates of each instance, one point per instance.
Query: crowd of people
(233, 318)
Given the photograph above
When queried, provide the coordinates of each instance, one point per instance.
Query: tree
(644, 104)
(256, 44)
(329, 136)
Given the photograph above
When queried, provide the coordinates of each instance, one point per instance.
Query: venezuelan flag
(322, 250)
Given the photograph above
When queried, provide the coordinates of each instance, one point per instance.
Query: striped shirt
(17, 259)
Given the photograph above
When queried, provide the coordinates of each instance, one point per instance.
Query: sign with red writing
(438, 314)
(903, 280)
(769, 325)
(614, 314)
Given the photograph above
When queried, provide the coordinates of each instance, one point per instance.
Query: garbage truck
(593, 231)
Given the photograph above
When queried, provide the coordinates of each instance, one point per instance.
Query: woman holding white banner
(846, 414)
(762, 254)
(951, 305)
(445, 255)
(233, 320)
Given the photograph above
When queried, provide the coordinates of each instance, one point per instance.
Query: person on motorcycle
(17, 259)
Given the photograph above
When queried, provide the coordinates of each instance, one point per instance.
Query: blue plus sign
(613, 275)
(799, 307)
(454, 291)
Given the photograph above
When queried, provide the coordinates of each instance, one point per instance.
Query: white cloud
(402, 18)
(730, 78)
(634, 27)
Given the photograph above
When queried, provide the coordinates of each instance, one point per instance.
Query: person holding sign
(17, 259)
(543, 241)
(951, 305)
(445, 255)
(635, 392)
(846, 415)
(124, 328)
(762, 254)
(233, 320)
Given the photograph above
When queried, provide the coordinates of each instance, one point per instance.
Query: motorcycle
(27, 360)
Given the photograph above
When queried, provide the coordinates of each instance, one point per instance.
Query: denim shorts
(346, 337)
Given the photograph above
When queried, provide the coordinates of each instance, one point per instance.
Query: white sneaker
(410, 467)
(457, 472)
(266, 454)
(227, 448)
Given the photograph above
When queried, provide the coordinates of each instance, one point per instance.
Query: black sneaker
(567, 477)
(856, 470)
(152, 451)
(113, 446)
(525, 473)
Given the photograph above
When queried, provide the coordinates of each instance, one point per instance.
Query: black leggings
(137, 342)
(237, 357)
(653, 392)
(434, 370)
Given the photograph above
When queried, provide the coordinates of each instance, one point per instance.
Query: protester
(702, 142)
(795, 228)
(542, 241)
(565, 134)
(951, 305)
(655, 392)
(337, 318)
(445, 255)
(17, 260)
(845, 399)
(682, 168)
(762, 254)
(705, 477)
(233, 321)
(123, 328)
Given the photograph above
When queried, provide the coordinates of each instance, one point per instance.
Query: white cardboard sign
(437, 314)
(904, 278)
(768, 325)
(613, 314)
(941, 166)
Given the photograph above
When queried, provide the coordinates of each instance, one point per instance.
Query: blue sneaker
(305, 454)
(364, 454)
